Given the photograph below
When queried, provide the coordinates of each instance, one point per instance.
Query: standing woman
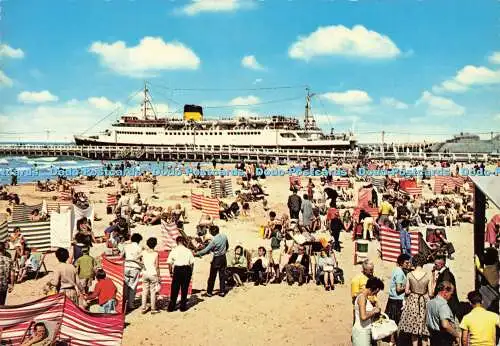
(418, 289)
(310, 189)
(65, 279)
(132, 253)
(151, 276)
(364, 311)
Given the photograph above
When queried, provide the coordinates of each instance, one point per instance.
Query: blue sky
(416, 69)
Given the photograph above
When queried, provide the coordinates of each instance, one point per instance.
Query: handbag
(383, 327)
(328, 268)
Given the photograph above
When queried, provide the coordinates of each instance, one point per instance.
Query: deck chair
(40, 259)
(425, 249)
(446, 249)
(53, 328)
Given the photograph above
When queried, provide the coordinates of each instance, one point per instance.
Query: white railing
(56, 149)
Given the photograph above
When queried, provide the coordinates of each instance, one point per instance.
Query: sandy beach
(275, 314)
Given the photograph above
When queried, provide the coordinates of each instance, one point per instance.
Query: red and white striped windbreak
(342, 183)
(439, 182)
(111, 200)
(170, 232)
(65, 196)
(364, 196)
(119, 266)
(390, 243)
(196, 200)
(78, 327)
(114, 268)
(165, 278)
(210, 206)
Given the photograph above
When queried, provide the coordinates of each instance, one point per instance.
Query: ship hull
(83, 141)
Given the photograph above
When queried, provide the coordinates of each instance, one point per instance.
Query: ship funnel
(193, 112)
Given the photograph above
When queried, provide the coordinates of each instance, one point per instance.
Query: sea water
(43, 168)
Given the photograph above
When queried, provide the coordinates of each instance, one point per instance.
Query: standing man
(442, 273)
(180, 264)
(479, 326)
(440, 319)
(294, 205)
(6, 274)
(307, 211)
(218, 246)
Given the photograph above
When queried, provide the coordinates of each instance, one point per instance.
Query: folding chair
(39, 258)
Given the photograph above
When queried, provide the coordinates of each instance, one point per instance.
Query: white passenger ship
(193, 129)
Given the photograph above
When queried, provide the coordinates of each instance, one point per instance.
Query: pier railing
(191, 153)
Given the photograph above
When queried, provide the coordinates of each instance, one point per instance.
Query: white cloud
(339, 40)
(257, 81)
(251, 62)
(350, 98)
(150, 55)
(4, 80)
(9, 52)
(394, 103)
(494, 58)
(64, 119)
(328, 119)
(440, 106)
(36, 97)
(244, 100)
(245, 113)
(468, 77)
(103, 103)
(200, 6)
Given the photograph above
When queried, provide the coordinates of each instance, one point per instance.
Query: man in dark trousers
(180, 264)
(298, 266)
(442, 273)
(294, 205)
(218, 246)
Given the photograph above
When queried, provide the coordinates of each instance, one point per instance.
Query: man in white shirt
(180, 264)
(132, 253)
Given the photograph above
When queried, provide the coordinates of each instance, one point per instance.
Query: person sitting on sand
(270, 225)
(105, 293)
(260, 264)
(39, 337)
(237, 266)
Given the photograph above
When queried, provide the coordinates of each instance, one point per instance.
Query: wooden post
(479, 222)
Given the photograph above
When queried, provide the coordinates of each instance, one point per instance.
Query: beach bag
(338, 276)
(383, 327)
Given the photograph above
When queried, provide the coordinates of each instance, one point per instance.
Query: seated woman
(237, 267)
(17, 243)
(203, 225)
(179, 213)
(437, 240)
(30, 265)
(259, 267)
(40, 336)
(271, 223)
(325, 268)
(222, 211)
(35, 215)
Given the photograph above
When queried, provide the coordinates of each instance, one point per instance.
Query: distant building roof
(489, 186)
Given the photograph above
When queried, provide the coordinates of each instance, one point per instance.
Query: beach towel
(60, 229)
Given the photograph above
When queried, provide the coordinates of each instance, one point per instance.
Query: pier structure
(230, 154)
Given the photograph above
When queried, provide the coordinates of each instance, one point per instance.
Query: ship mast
(309, 122)
(146, 104)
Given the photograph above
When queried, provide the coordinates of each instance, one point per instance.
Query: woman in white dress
(364, 311)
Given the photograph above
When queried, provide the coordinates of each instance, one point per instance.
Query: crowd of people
(302, 247)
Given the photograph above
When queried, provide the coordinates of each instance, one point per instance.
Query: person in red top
(105, 292)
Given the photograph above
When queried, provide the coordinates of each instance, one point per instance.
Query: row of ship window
(187, 133)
